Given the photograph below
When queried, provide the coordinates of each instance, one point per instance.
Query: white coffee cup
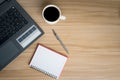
(52, 14)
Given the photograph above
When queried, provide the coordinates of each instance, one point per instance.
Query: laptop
(17, 31)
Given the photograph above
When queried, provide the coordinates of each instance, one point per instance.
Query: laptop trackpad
(7, 53)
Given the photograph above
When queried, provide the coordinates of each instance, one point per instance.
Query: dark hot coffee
(51, 14)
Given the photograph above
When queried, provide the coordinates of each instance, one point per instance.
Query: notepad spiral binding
(50, 74)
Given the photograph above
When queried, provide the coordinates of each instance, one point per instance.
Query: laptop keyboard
(10, 22)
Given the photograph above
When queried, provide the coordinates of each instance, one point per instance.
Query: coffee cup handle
(62, 17)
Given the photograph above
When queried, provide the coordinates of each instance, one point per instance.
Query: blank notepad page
(48, 61)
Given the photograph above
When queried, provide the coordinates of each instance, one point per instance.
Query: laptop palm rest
(9, 52)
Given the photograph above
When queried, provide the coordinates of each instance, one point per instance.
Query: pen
(60, 41)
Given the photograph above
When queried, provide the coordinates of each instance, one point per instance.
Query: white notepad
(48, 61)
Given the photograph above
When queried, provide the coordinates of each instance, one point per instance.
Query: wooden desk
(91, 33)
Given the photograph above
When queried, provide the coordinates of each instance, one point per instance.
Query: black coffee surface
(51, 14)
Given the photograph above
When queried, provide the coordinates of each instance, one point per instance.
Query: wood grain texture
(91, 33)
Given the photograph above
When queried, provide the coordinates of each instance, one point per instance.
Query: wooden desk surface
(91, 33)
